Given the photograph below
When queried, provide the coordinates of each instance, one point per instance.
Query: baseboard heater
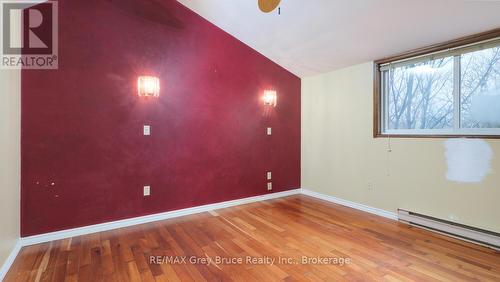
(464, 232)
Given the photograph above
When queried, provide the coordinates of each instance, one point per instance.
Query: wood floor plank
(296, 232)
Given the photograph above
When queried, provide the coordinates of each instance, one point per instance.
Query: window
(454, 91)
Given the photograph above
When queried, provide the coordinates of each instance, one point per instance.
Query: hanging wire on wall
(388, 160)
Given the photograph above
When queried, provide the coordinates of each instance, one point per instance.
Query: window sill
(383, 135)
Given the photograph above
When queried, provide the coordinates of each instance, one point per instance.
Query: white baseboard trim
(63, 234)
(377, 211)
(10, 260)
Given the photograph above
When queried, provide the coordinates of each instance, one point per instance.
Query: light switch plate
(269, 186)
(269, 131)
(269, 175)
(147, 130)
(147, 190)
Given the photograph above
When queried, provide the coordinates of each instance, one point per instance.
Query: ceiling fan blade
(267, 6)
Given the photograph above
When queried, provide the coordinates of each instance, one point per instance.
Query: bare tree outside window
(421, 95)
(480, 89)
(452, 92)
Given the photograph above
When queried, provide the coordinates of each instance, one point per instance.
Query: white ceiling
(315, 36)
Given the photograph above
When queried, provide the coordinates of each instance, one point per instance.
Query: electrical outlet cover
(147, 190)
(147, 130)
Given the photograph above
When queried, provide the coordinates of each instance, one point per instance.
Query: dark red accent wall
(84, 158)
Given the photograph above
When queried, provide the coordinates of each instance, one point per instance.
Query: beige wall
(341, 158)
(10, 128)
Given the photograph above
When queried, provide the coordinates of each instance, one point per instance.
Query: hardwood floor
(353, 245)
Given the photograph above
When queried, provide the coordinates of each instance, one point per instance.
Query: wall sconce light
(148, 86)
(270, 98)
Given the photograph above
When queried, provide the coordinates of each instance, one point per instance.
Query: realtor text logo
(29, 35)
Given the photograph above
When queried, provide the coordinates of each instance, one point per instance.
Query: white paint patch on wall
(469, 160)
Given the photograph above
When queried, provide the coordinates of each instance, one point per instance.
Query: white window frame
(456, 130)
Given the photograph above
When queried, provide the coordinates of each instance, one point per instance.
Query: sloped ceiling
(316, 36)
